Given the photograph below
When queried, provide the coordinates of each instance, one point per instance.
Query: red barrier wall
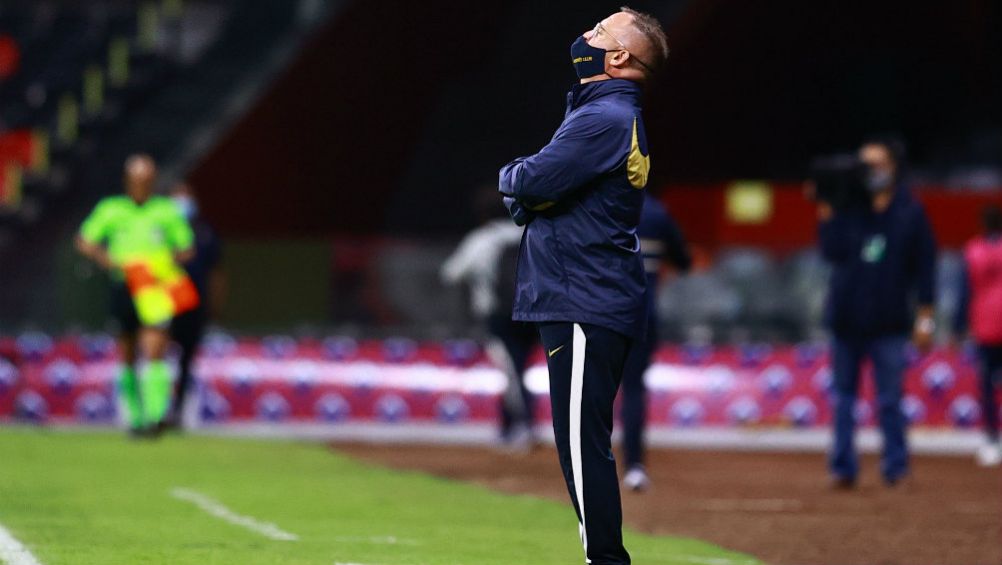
(702, 213)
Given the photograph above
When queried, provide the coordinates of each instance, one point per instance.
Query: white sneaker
(989, 455)
(636, 479)
(521, 441)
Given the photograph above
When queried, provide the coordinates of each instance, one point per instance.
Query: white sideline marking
(12, 552)
(752, 505)
(376, 540)
(217, 509)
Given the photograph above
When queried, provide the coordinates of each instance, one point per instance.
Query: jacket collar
(583, 93)
(902, 195)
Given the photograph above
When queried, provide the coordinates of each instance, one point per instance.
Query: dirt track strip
(777, 507)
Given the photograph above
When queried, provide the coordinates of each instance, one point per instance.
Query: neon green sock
(156, 391)
(128, 396)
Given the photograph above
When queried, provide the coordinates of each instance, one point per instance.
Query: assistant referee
(123, 231)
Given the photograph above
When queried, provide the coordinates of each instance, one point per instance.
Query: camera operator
(879, 242)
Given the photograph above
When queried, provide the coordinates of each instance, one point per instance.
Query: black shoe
(142, 432)
(901, 480)
(171, 423)
(150, 431)
(842, 483)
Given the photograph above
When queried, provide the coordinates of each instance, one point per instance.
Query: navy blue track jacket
(882, 265)
(581, 197)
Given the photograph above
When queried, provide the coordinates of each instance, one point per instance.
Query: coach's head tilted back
(580, 275)
(627, 45)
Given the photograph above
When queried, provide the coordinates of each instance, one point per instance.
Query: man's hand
(95, 253)
(520, 214)
(104, 260)
(185, 256)
(825, 212)
(925, 329)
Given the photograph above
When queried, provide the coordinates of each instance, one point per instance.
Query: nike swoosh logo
(554, 352)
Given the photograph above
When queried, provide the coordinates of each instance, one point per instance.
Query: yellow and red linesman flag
(160, 291)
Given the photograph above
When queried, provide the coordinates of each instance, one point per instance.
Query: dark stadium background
(389, 114)
(411, 104)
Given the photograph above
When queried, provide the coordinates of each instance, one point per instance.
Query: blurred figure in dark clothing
(660, 240)
(485, 260)
(206, 273)
(981, 312)
(883, 258)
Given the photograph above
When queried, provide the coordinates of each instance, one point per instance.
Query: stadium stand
(92, 82)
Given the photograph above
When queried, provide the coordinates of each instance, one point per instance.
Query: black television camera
(841, 181)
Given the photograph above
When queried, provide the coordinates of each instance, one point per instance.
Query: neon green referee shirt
(149, 232)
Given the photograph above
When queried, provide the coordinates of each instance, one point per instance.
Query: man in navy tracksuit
(884, 261)
(660, 240)
(580, 275)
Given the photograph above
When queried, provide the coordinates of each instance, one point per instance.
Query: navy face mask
(588, 61)
(877, 181)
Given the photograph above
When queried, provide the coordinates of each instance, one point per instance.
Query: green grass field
(82, 498)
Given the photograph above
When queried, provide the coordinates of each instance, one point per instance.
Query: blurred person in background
(981, 312)
(660, 240)
(580, 274)
(141, 239)
(485, 260)
(206, 273)
(883, 258)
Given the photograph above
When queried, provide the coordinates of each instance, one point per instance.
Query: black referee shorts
(123, 310)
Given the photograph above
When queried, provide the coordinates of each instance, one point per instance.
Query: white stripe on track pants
(586, 366)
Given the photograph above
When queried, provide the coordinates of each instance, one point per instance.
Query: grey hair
(650, 28)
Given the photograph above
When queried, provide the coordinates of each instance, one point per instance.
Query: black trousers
(586, 366)
(991, 380)
(187, 330)
(518, 339)
(633, 410)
